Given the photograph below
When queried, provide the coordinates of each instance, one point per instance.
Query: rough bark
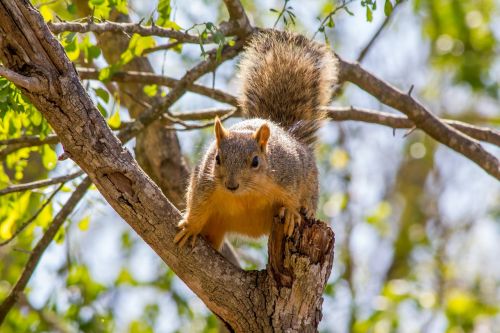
(246, 301)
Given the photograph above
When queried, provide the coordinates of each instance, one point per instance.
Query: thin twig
(31, 140)
(23, 142)
(331, 14)
(40, 247)
(375, 36)
(150, 78)
(162, 47)
(128, 28)
(40, 183)
(485, 134)
(392, 120)
(33, 218)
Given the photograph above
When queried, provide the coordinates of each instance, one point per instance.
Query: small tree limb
(151, 78)
(40, 183)
(128, 28)
(420, 116)
(26, 82)
(15, 144)
(392, 120)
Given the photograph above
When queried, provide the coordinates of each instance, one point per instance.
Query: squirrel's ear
(220, 131)
(262, 135)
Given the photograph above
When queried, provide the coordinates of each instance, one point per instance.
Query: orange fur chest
(249, 214)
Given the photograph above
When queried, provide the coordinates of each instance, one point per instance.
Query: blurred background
(417, 225)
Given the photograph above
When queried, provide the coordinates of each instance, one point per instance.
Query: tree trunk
(285, 297)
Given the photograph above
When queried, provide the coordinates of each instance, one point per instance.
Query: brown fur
(286, 78)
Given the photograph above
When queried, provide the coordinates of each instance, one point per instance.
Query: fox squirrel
(264, 166)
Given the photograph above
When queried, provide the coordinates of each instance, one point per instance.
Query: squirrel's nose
(232, 187)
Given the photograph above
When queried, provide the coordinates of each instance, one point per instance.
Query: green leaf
(105, 74)
(101, 8)
(388, 7)
(151, 90)
(49, 157)
(125, 278)
(348, 11)
(330, 23)
(60, 235)
(120, 5)
(136, 47)
(114, 121)
(369, 14)
(71, 8)
(84, 223)
(102, 110)
(69, 38)
(102, 94)
(164, 10)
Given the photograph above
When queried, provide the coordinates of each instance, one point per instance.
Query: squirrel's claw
(309, 213)
(292, 218)
(183, 236)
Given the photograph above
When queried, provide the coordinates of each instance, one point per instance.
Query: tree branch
(40, 183)
(151, 78)
(238, 19)
(30, 83)
(420, 116)
(23, 142)
(128, 28)
(40, 247)
(31, 140)
(486, 134)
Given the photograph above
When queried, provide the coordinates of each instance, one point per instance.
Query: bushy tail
(287, 78)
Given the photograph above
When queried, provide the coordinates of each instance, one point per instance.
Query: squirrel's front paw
(186, 231)
(292, 218)
(308, 213)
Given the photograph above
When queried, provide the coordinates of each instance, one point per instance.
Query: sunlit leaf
(114, 121)
(388, 7)
(49, 157)
(84, 223)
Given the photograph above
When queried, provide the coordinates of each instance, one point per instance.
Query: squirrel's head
(240, 162)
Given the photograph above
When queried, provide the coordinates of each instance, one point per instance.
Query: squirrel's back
(287, 78)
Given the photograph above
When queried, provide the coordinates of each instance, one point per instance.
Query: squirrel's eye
(255, 162)
(217, 159)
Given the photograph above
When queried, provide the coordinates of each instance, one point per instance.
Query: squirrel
(264, 166)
